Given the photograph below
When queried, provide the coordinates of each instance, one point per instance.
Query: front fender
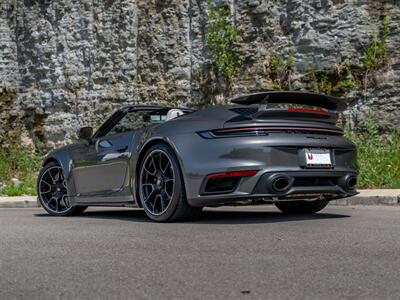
(63, 158)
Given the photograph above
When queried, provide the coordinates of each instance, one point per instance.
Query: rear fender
(137, 159)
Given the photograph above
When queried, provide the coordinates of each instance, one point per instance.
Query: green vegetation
(343, 77)
(18, 167)
(336, 80)
(281, 69)
(378, 157)
(221, 38)
(377, 55)
(17, 162)
(319, 81)
(349, 84)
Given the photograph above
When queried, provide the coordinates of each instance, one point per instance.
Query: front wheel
(301, 207)
(52, 192)
(161, 187)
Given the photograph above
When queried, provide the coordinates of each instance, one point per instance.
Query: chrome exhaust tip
(280, 184)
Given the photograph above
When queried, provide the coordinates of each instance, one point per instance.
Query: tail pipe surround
(350, 182)
(279, 183)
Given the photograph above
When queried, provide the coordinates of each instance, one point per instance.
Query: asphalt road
(229, 253)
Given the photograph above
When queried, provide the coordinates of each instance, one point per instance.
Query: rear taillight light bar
(233, 174)
(265, 130)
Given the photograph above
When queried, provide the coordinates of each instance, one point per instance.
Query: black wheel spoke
(168, 194)
(51, 199)
(64, 183)
(166, 167)
(65, 201)
(47, 184)
(164, 196)
(156, 182)
(57, 203)
(160, 162)
(154, 164)
(149, 194)
(55, 177)
(168, 180)
(162, 205)
(151, 173)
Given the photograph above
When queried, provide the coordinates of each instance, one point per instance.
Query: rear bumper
(303, 185)
(273, 155)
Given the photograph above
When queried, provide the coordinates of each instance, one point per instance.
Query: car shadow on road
(252, 217)
(210, 216)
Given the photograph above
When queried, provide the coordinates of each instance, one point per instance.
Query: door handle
(105, 144)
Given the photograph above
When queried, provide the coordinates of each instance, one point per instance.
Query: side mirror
(85, 133)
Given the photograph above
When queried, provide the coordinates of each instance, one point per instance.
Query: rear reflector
(233, 174)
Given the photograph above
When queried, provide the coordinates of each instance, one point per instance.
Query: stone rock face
(9, 75)
(71, 63)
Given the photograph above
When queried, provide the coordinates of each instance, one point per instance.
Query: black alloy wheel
(161, 188)
(53, 193)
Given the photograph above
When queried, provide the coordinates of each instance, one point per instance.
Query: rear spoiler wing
(293, 97)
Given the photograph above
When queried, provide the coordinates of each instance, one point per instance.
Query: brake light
(305, 110)
(233, 174)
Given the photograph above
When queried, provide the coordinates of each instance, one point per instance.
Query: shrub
(377, 55)
(221, 38)
(281, 69)
(378, 157)
(17, 162)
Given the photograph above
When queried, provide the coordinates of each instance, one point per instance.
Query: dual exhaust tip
(350, 183)
(280, 183)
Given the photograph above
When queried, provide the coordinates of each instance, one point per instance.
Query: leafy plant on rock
(377, 55)
(281, 69)
(221, 39)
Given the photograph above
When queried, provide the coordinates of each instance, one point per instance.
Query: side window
(137, 119)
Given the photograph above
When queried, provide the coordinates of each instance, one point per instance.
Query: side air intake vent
(244, 114)
(245, 111)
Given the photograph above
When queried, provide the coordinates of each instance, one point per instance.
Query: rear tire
(52, 192)
(161, 187)
(301, 207)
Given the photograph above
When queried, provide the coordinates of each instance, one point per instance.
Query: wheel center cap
(160, 181)
(58, 188)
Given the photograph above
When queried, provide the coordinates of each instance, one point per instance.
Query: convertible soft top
(294, 97)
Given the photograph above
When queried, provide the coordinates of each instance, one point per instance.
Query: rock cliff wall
(64, 64)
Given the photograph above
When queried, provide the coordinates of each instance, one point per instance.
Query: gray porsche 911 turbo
(278, 147)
